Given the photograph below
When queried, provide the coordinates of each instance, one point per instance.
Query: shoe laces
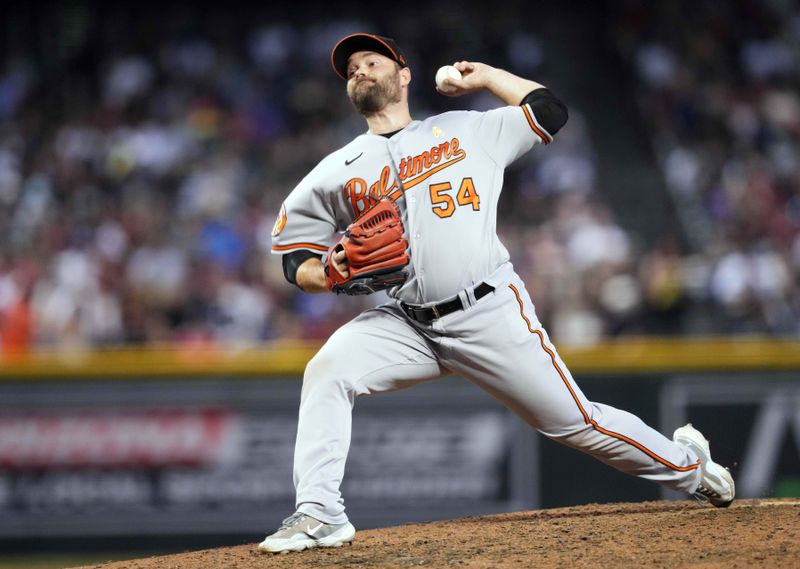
(708, 492)
(292, 520)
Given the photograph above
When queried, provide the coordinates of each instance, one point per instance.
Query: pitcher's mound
(751, 533)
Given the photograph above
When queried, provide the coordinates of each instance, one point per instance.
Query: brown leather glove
(375, 250)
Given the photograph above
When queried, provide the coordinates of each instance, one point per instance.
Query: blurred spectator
(719, 94)
(144, 188)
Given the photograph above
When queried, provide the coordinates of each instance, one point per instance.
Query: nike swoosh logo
(312, 531)
(348, 162)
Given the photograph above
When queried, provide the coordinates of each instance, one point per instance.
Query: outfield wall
(200, 441)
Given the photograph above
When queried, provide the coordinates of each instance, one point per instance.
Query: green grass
(787, 488)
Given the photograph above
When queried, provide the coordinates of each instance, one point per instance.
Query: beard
(370, 97)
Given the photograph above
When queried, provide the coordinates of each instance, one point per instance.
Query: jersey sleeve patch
(535, 126)
(280, 221)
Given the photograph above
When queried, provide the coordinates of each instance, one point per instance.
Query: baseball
(444, 72)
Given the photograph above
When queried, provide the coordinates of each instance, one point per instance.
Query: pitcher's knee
(326, 372)
(577, 436)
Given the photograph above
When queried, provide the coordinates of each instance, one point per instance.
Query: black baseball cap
(363, 42)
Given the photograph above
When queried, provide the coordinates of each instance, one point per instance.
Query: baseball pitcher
(416, 201)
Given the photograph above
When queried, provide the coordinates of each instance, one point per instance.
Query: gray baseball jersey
(446, 173)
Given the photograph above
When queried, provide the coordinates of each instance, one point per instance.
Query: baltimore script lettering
(412, 170)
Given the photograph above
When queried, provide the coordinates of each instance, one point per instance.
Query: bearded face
(371, 95)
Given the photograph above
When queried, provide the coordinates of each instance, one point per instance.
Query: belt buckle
(413, 312)
(436, 312)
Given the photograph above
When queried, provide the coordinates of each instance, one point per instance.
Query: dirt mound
(751, 533)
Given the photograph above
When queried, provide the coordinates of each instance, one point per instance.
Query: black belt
(426, 314)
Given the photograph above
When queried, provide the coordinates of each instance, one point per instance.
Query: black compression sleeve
(549, 111)
(293, 260)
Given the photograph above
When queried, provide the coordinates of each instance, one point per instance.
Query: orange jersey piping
(546, 138)
(322, 248)
(586, 418)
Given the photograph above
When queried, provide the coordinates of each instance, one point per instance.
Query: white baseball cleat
(716, 483)
(300, 531)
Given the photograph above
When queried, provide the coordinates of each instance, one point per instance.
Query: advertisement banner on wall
(111, 458)
(216, 456)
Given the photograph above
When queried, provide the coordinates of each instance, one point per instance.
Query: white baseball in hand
(444, 72)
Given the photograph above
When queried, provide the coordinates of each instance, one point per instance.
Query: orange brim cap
(363, 42)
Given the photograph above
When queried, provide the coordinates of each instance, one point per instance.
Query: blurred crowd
(719, 92)
(139, 185)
